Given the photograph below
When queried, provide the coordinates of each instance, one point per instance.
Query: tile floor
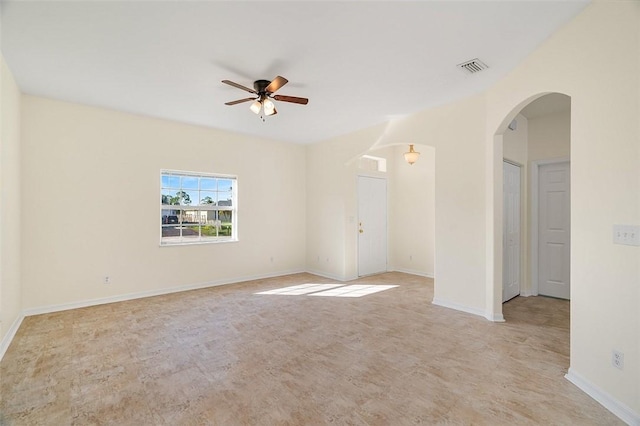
(228, 356)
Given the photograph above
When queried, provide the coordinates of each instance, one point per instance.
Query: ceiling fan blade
(239, 101)
(292, 99)
(239, 86)
(275, 84)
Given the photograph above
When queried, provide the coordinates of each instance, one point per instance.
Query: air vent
(473, 66)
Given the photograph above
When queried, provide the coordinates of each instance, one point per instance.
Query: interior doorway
(372, 225)
(535, 134)
(552, 227)
(512, 231)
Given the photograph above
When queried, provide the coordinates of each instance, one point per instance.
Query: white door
(511, 232)
(554, 230)
(372, 225)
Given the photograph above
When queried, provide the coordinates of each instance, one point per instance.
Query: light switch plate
(626, 234)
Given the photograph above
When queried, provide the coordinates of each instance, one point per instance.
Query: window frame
(167, 241)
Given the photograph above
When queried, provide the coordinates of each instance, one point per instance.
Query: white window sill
(196, 243)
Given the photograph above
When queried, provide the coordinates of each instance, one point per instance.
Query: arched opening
(531, 234)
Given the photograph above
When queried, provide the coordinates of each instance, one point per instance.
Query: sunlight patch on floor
(355, 290)
(329, 290)
(297, 290)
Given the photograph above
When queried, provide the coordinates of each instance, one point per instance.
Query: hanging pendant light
(411, 156)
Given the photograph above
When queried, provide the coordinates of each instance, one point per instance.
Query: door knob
(360, 226)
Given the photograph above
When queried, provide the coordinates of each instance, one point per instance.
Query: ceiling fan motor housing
(260, 86)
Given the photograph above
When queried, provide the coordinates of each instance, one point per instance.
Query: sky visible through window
(195, 191)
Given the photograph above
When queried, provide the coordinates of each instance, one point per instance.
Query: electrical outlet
(107, 280)
(628, 235)
(617, 359)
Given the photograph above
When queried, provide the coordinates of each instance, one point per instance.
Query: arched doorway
(535, 136)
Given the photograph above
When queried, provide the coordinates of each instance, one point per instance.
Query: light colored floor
(227, 356)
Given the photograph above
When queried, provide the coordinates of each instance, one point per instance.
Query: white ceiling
(360, 63)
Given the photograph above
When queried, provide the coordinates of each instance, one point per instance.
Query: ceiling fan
(264, 91)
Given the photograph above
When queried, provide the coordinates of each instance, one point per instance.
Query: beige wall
(412, 212)
(516, 142)
(91, 174)
(459, 183)
(600, 45)
(550, 136)
(10, 190)
(332, 215)
(73, 155)
(332, 170)
(455, 131)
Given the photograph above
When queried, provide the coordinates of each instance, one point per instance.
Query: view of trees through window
(197, 207)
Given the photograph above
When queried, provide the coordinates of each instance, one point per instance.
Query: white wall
(10, 213)
(90, 176)
(412, 211)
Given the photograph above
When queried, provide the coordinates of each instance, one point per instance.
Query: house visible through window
(197, 207)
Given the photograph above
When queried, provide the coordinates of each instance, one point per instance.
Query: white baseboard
(493, 317)
(457, 307)
(345, 279)
(6, 340)
(414, 272)
(621, 410)
(130, 296)
(326, 275)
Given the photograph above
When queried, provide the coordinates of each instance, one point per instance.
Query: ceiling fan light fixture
(269, 107)
(255, 107)
(263, 90)
(411, 156)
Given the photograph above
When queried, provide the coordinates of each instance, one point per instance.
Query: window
(197, 207)
(373, 164)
